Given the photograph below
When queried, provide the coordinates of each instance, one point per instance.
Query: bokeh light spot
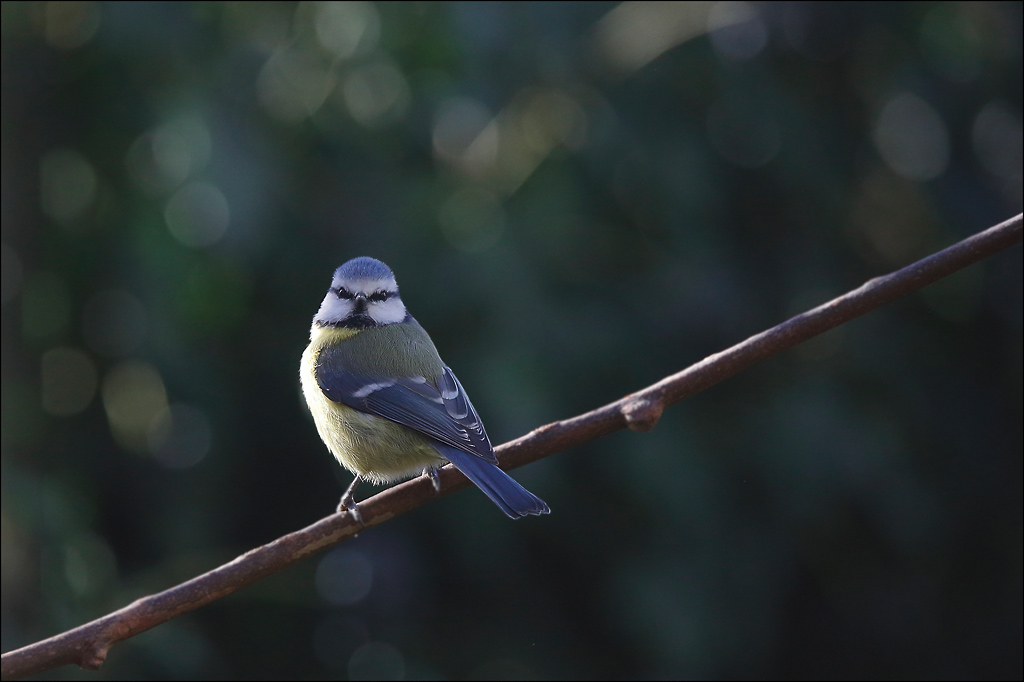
(552, 117)
(89, 564)
(912, 138)
(376, 93)
(998, 139)
(162, 159)
(347, 28)
(736, 30)
(635, 33)
(180, 436)
(69, 380)
(344, 577)
(294, 84)
(71, 24)
(197, 215)
(460, 120)
(133, 396)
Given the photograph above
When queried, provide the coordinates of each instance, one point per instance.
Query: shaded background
(578, 199)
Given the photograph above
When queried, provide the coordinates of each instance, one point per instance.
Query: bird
(384, 403)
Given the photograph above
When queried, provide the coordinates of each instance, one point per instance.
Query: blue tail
(515, 500)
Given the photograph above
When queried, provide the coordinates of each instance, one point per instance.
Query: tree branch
(87, 645)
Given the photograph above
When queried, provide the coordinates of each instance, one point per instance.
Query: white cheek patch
(390, 311)
(334, 309)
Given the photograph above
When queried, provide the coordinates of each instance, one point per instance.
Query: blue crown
(363, 268)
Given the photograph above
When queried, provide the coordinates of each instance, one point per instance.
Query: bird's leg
(435, 478)
(348, 502)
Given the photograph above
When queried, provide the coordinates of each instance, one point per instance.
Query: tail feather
(513, 499)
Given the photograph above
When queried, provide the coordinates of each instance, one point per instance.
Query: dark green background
(849, 508)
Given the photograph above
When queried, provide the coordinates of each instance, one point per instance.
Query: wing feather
(437, 407)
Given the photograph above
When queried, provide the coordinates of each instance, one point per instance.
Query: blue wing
(437, 407)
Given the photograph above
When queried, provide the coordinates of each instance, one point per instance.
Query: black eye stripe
(378, 296)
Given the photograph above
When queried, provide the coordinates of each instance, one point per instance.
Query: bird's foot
(434, 477)
(348, 503)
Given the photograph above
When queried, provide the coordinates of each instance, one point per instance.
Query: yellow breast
(372, 447)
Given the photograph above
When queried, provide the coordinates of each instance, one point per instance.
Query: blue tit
(384, 403)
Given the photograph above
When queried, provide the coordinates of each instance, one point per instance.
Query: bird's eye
(344, 293)
(379, 296)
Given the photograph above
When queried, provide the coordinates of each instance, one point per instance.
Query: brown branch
(87, 645)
